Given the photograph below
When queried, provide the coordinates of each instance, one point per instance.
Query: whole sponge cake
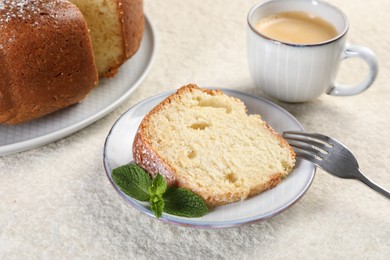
(116, 28)
(203, 140)
(46, 58)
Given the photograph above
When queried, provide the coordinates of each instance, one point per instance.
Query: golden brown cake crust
(46, 59)
(133, 21)
(146, 157)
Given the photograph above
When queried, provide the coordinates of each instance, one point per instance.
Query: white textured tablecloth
(57, 203)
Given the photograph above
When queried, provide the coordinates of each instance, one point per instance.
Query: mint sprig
(137, 183)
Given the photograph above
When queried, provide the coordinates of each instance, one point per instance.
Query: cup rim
(340, 35)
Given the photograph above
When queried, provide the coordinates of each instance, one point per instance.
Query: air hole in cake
(214, 102)
(200, 125)
(231, 177)
(191, 154)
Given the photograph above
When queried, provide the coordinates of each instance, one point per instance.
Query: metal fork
(330, 155)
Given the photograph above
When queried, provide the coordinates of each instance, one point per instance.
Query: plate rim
(71, 129)
(205, 224)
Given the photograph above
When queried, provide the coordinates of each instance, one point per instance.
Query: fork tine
(304, 140)
(320, 137)
(304, 155)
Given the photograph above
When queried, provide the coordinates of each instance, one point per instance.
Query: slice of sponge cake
(203, 140)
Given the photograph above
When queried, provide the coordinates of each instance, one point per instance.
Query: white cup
(302, 72)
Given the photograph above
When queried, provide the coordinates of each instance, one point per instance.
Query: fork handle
(372, 185)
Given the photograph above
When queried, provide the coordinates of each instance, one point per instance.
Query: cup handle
(370, 58)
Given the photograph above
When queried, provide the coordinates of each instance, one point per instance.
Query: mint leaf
(157, 205)
(133, 181)
(182, 202)
(159, 185)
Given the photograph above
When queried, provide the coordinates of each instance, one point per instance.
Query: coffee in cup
(296, 27)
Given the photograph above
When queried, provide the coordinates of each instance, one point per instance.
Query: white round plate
(107, 96)
(118, 151)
